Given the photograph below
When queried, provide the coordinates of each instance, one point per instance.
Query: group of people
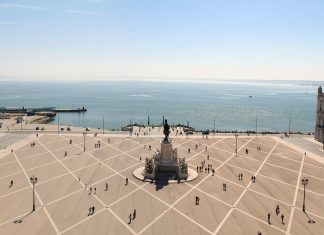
(97, 145)
(149, 147)
(203, 167)
(253, 179)
(240, 176)
(277, 211)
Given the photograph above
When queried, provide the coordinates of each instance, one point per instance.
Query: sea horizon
(234, 104)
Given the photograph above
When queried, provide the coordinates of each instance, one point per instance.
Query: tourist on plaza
(95, 190)
(208, 157)
(197, 200)
(106, 186)
(224, 187)
(90, 209)
(188, 150)
(134, 214)
(11, 183)
(246, 151)
(282, 219)
(93, 210)
(70, 141)
(277, 210)
(269, 218)
(130, 218)
(213, 171)
(126, 181)
(65, 153)
(90, 190)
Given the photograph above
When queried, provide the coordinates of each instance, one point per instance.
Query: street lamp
(304, 182)
(33, 180)
(84, 135)
(236, 136)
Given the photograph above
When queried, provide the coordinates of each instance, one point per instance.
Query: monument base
(138, 174)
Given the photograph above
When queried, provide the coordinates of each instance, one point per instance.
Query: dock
(42, 109)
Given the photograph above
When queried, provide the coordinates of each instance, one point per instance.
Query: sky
(162, 39)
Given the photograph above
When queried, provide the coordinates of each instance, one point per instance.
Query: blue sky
(174, 39)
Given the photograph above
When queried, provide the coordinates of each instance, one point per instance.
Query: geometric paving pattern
(64, 181)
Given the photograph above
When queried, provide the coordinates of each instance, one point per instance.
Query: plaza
(63, 197)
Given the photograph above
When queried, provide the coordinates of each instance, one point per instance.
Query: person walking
(11, 183)
(282, 218)
(134, 214)
(90, 190)
(90, 209)
(197, 200)
(130, 218)
(269, 218)
(106, 187)
(224, 187)
(93, 210)
(126, 181)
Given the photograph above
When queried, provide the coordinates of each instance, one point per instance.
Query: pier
(43, 109)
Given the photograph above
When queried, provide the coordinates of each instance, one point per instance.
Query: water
(273, 103)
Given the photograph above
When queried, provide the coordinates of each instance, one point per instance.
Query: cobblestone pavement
(63, 195)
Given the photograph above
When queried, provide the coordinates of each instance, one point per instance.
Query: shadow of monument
(162, 180)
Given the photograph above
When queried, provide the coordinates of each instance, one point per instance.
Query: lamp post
(304, 182)
(33, 180)
(214, 128)
(58, 124)
(289, 126)
(103, 125)
(84, 135)
(236, 136)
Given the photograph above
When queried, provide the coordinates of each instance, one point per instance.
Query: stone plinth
(166, 150)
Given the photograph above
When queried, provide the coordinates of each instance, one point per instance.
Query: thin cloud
(7, 23)
(21, 6)
(81, 12)
(3, 23)
(40, 8)
(94, 1)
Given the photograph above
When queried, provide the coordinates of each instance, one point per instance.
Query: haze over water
(273, 103)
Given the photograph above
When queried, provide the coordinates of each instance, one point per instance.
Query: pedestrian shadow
(18, 221)
(310, 221)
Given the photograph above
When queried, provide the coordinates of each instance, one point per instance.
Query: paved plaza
(65, 173)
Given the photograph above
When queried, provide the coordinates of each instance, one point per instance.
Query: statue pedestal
(166, 150)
